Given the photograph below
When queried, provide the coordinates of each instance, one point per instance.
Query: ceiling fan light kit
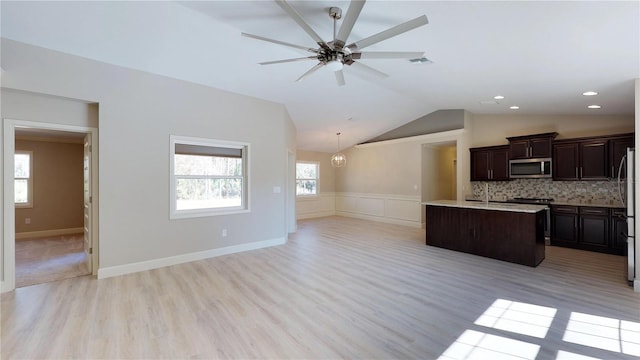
(336, 54)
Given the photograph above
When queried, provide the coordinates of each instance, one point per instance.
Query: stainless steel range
(538, 201)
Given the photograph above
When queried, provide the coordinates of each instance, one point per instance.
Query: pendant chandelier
(338, 159)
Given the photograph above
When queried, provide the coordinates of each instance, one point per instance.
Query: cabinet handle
(613, 174)
(488, 174)
(581, 172)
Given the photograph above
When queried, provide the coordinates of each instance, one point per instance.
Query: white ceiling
(540, 55)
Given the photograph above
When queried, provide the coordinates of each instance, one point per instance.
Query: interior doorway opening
(54, 236)
(50, 230)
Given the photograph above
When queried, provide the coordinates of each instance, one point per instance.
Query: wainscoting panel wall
(388, 208)
(308, 207)
(394, 209)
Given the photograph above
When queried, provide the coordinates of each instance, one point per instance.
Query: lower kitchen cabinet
(588, 228)
(594, 229)
(564, 226)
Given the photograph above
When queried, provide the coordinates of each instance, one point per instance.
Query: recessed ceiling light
(594, 107)
(498, 97)
(422, 60)
(589, 93)
(514, 107)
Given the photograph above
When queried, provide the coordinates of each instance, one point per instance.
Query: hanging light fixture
(338, 159)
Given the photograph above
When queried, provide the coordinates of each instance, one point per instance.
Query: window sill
(307, 197)
(188, 214)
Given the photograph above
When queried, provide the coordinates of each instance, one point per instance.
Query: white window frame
(174, 213)
(317, 179)
(29, 203)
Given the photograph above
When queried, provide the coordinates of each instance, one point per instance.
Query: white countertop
(490, 206)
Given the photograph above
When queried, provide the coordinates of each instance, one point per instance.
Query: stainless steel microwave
(530, 168)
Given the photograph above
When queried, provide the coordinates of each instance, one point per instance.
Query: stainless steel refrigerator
(627, 166)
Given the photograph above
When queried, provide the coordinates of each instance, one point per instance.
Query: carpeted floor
(48, 259)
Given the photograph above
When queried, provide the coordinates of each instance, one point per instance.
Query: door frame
(8, 208)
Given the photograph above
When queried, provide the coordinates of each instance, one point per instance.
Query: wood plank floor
(340, 288)
(53, 258)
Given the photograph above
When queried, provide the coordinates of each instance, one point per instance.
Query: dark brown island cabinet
(492, 231)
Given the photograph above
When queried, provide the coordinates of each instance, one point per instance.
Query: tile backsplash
(561, 191)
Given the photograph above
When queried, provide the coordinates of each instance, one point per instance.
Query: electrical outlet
(27, 221)
(224, 232)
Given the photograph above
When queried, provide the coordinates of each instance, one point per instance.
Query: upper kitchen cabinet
(490, 163)
(617, 150)
(592, 158)
(580, 160)
(531, 146)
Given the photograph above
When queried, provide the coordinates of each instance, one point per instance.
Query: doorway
(54, 237)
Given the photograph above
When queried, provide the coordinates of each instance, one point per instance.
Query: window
(23, 182)
(208, 177)
(307, 178)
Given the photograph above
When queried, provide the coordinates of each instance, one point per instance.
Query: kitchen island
(502, 231)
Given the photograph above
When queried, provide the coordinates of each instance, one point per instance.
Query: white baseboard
(387, 220)
(636, 285)
(43, 233)
(184, 258)
(2, 289)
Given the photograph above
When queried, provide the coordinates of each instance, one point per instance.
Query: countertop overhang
(527, 208)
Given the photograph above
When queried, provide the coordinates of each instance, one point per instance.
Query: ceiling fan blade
(368, 70)
(340, 78)
(303, 24)
(389, 33)
(289, 60)
(388, 55)
(310, 71)
(281, 42)
(355, 7)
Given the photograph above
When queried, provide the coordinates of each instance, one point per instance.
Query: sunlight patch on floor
(604, 333)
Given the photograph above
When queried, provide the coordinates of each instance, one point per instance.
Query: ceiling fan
(336, 53)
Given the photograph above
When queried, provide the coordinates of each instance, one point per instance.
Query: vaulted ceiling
(541, 56)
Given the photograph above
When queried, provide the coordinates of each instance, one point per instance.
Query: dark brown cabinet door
(480, 165)
(594, 160)
(540, 148)
(519, 149)
(617, 150)
(500, 164)
(531, 146)
(594, 231)
(565, 161)
(489, 163)
(564, 226)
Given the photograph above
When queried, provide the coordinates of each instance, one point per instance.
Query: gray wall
(137, 113)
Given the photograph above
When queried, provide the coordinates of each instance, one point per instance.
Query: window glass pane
(208, 193)
(207, 165)
(306, 171)
(306, 187)
(21, 190)
(21, 165)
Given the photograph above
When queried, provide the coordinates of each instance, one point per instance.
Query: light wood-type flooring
(340, 288)
(45, 259)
